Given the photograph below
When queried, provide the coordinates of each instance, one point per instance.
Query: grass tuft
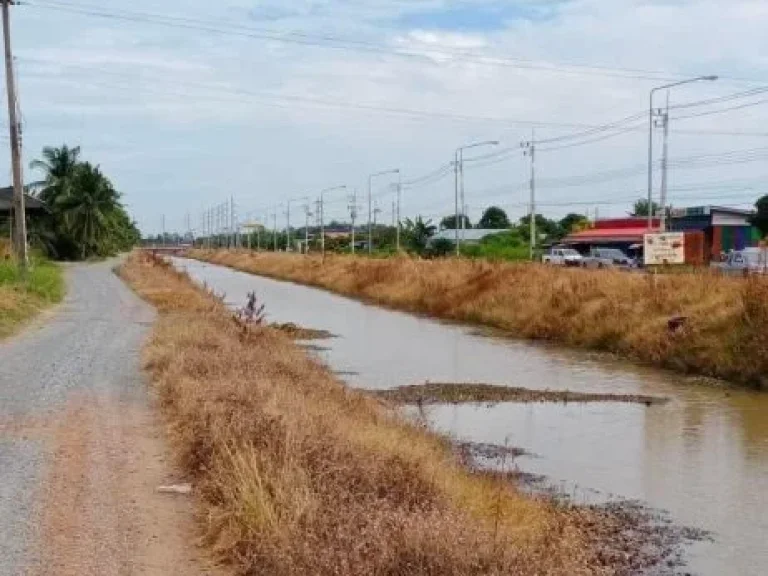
(24, 295)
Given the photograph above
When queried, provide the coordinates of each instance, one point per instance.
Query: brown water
(703, 457)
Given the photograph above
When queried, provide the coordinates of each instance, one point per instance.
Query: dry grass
(299, 475)
(603, 310)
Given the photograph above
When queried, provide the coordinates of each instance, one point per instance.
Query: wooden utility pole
(20, 232)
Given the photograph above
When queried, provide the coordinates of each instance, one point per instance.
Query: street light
(458, 167)
(370, 204)
(322, 214)
(650, 137)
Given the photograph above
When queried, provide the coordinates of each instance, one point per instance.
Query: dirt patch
(451, 393)
(99, 512)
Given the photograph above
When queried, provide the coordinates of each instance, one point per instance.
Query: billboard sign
(665, 248)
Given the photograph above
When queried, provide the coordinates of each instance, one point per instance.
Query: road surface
(81, 448)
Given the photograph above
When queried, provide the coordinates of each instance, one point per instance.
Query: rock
(175, 489)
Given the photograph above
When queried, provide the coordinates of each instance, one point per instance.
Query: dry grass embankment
(614, 311)
(22, 297)
(298, 475)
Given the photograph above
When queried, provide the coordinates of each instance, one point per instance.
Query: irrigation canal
(702, 457)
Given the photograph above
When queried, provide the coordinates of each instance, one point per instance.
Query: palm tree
(58, 165)
(418, 232)
(88, 209)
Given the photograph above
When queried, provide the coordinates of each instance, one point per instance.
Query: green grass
(24, 295)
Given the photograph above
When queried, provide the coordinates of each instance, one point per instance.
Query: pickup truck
(607, 258)
(562, 257)
(744, 262)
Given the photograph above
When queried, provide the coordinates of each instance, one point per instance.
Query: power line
(354, 45)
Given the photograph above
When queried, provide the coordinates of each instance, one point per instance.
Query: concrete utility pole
(529, 149)
(650, 136)
(322, 214)
(353, 215)
(274, 228)
(459, 170)
(664, 164)
(19, 211)
(308, 215)
(399, 198)
(370, 204)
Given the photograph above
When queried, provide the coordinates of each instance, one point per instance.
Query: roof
(467, 235)
(6, 200)
(608, 235)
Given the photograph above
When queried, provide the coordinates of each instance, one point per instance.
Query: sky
(187, 104)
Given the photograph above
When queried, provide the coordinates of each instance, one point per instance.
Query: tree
(58, 166)
(573, 223)
(449, 222)
(440, 248)
(89, 209)
(544, 226)
(641, 208)
(417, 234)
(760, 220)
(494, 218)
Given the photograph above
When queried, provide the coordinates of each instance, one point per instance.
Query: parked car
(562, 257)
(607, 258)
(747, 261)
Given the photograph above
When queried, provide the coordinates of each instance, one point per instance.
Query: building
(724, 229)
(468, 236)
(718, 230)
(626, 234)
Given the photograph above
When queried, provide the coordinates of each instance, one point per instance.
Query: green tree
(449, 222)
(88, 210)
(440, 248)
(640, 208)
(494, 218)
(417, 233)
(573, 222)
(58, 166)
(760, 219)
(550, 229)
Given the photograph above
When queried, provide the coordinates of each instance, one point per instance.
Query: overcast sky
(181, 117)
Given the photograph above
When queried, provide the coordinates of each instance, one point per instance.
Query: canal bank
(703, 456)
(700, 323)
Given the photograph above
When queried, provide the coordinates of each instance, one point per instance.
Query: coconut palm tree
(58, 166)
(88, 209)
(417, 233)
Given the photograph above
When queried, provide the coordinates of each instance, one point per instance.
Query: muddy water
(703, 457)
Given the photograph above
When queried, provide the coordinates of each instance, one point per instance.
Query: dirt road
(81, 448)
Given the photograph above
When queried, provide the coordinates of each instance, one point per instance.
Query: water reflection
(703, 456)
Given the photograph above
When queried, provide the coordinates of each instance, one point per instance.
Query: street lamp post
(650, 137)
(370, 204)
(458, 168)
(322, 214)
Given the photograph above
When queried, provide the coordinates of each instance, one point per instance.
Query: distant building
(722, 229)
(468, 236)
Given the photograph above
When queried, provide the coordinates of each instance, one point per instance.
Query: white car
(747, 261)
(562, 257)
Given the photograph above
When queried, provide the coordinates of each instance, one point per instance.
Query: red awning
(608, 235)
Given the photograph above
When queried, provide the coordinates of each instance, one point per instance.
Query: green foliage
(760, 220)
(416, 234)
(508, 245)
(641, 208)
(43, 279)
(86, 218)
(494, 218)
(440, 248)
(545, 228)
(449, 222)
(573, 223)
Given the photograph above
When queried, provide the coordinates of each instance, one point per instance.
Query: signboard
(666, 248)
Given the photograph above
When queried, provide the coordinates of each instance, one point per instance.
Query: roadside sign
(663, 249)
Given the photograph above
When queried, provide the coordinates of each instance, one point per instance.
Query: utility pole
(288, 228)
(19, 211)
(463, 216)
(163, 244)
(399, 197)
(664, 164)
(456, 212)
(370, 204)
(274, 228)
(307, 214)
(459, 168)
(353, 214)
(529, 149)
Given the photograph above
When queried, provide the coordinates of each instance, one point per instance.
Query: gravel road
(81, 447)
